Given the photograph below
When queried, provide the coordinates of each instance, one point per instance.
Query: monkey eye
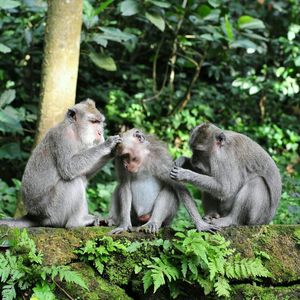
(95, 121)
(134, 159)
(139, 136)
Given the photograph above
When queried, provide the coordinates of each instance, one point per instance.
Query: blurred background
(165, 67)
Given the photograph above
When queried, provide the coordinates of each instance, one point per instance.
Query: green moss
(250, 292)
(99, 288)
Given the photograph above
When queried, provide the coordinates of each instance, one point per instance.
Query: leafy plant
(21, 270)
(203, 259)
(98, 251)
(8, 196)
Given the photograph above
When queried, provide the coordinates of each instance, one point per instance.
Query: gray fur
(56, 175)
(240, 182)
(150, 190)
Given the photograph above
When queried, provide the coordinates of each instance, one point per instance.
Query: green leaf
(43, 291)
(158, 279)
(147, 280)
(103, 61)
(160, 3)
(215, 3)
(4, 49)
(222, 287)
(102, 7)
(247, 22)
(297, 61)
(156, 19)
(204, 10)
(8, 4)
(137, 269)
(227, 28)
(129, 7)
(7, 97)
(246, 44)
(9, 121)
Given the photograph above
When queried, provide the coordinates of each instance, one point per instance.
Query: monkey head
(88, 122)
(133, 150)
(205, 139)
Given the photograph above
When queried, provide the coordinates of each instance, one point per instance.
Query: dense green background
(164, 66)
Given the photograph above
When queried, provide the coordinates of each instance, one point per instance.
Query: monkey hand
(179, 174)
(149, 227)
(112, 141)
(122, 228)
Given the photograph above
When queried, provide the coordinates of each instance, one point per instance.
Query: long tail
(20, 222)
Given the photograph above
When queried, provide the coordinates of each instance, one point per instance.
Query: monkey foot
(99, 221)
(207, 227)
(211, 216)
(222, 222)
(149, 227)
(121, 229)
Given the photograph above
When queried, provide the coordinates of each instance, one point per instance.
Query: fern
(98, 251)
(203, 259)
(222, 287)
(24, 272)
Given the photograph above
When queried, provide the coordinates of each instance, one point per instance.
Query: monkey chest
(145, 190)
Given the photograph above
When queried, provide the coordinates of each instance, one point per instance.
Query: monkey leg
(165, 208)
(251, 206)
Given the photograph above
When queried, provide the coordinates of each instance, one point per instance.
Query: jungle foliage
(164, 66)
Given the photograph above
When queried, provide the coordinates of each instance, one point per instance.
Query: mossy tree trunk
(60, 65)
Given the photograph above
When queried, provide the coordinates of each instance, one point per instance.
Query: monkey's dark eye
(95, 121)
(134, 159)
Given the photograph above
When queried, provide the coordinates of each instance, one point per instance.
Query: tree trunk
(60, 65)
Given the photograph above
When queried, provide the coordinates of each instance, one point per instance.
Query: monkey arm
(72, 163)
(163, 173)
(203, 182)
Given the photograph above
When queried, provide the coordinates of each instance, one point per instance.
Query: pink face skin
(132, 160)
(133, 153)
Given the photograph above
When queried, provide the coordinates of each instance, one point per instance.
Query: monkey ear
(221, 139)
(71, 114)
(139, 135)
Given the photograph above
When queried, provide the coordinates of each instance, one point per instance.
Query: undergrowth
(22, 272)
(190, 258)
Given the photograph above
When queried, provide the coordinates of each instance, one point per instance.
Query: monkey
(241, 184)
(56, 175)
(145, 195)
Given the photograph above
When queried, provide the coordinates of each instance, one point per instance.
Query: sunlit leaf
(156, 19)
(8, 4)
(4, 49)
(247, 22)
(103, 61)
(129, 7)
(227, 28)
(161, 3)
(7, 97)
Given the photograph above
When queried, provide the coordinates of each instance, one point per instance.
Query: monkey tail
(22, 222)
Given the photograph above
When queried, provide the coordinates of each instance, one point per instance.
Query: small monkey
(145, 194)
(55, 177)
(240, 182)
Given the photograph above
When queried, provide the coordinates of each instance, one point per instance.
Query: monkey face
(88, 121)
(133, 150)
